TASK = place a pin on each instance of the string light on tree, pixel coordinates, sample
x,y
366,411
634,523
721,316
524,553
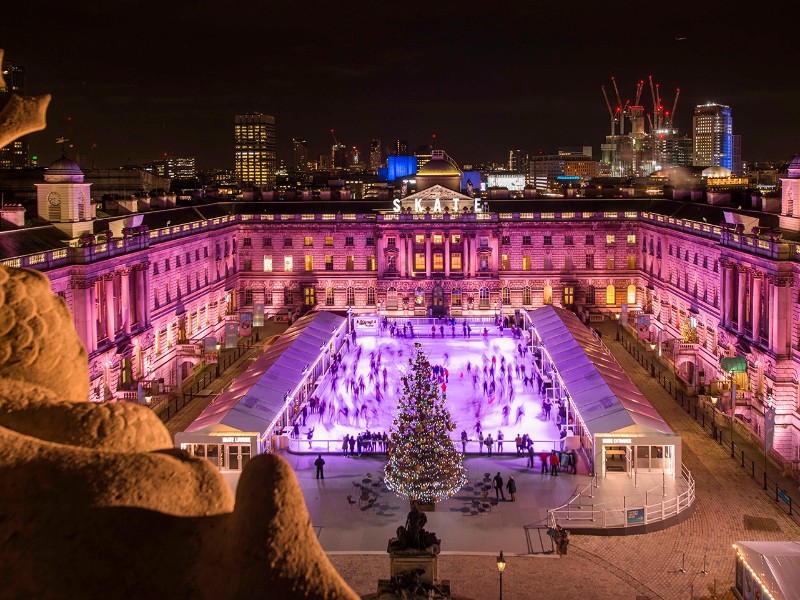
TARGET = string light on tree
x,y
423,464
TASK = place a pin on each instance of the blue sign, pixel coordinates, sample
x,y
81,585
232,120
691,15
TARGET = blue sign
x,y
635,515
783,495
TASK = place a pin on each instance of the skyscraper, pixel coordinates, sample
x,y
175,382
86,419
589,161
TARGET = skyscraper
x,y
15,155
713,136
516,161
254,141
299,154
375,154
400,148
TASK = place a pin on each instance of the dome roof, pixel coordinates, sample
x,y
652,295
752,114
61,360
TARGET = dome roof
x,y
439,167
64,170
716,172
794,167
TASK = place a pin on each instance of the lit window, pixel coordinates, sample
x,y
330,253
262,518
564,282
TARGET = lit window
x,y
455,261
437,238
548,294
506,295
610,239
455,298
419,239
329,299
372,264
569,295
419,261
287,263
631,261
505,262
455,238
329,263
329,240
308,241
526,262
610,262
309,262
438,261
267,264
631,238
611,295
631,294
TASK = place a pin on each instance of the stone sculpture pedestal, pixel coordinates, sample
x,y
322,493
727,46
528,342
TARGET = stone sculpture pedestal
x,y
402,561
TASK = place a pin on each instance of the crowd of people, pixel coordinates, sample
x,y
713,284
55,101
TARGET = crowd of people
x,y
364,442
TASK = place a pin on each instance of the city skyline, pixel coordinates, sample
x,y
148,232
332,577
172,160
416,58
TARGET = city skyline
x,y
483,86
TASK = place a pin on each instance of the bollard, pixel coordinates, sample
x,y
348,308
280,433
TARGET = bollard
x,y
704,571
683,563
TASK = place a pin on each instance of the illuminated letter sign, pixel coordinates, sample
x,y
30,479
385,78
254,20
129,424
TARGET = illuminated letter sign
x,y
418,204
455,204
236,440
477,206
437,206
396,205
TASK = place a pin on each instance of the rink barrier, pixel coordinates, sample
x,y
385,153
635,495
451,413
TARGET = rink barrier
x,y
321,446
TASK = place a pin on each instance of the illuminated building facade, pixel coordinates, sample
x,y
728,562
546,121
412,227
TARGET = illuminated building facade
x,y
712,126
254,150
16,154
375,155
145,297
299,154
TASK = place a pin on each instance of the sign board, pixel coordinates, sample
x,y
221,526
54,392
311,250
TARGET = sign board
x,y
245,323
624,317
210,350
366,322
258,314
237,440
617,440
635,515
231,334
643,327
783,495
769,428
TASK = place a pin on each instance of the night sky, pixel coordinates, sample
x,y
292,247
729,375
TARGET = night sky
x,y
141,79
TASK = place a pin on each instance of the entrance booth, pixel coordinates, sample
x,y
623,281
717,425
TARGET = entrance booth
x,y
251,415
619,430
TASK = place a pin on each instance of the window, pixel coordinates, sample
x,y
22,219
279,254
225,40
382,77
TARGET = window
x,y
548,240
248,297
590,295
309,262
590,240
547,294
438,261
438,238
329,298
705,262
329,240
455,297
177,261
419,261
188,258
372,264
155,268
371,295
287,263
205,251
526,240
267,297
247,242
610,239
631,238
483,298
248,264
391,241
484,242
568,240
670,249
455,261
166,265
309,296
569,295
267,264
329,262
631,294
526,295
308,241
288,296
506,295
348,241
526,262
609,262
287,242
267,242
370,241
455,238
419,238
351,296
631,261
505,240
611,295
505,262
349,264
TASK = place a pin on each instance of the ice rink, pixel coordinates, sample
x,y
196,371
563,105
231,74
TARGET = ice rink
x,y
356,400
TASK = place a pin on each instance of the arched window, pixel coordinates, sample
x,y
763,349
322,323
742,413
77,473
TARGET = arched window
x,y
611,295
506,296
329,297
371,295
526,295
548,294
351,296
631,294
455,299
391,298
483,297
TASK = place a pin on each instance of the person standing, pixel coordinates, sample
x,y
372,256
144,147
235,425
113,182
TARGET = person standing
x,y
554,462
463,441
480,441
518,442
544,456
345,442
498,487
489,443
309,437
320,463
511,486
531,454
499,441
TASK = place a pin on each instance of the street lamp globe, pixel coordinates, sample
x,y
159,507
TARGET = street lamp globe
x,y
501,562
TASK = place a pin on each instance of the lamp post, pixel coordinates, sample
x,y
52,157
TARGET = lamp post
x,y
616,318
769,424
653,361
733,410
501,566
494,304
219,347
714,416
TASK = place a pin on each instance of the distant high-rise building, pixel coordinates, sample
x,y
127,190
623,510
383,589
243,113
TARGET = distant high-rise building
x,y
712,126
299,154
736,150
174,167
516,161
339,156
400,148
254,140
15,155
375,154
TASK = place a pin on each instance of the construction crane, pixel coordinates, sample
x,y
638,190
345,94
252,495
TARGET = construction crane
x,y
619,107
674,106
610,112
639,92
333,135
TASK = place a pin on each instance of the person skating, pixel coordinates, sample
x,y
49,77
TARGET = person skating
x,y
320,463
480,441
498,487
511,486
500,438
464,441
489,443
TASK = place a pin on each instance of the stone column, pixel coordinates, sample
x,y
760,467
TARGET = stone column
x,y
727,295
447,254
125,299
84,312
141,297
409,250
465,254
473,255
147,304
740,298
401,255
108,292
780,314
495,264
756,306
428,255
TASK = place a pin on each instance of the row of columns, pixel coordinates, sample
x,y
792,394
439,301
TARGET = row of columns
x,y
469,256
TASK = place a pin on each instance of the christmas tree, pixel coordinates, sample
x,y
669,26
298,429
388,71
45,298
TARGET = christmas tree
x,y
423,466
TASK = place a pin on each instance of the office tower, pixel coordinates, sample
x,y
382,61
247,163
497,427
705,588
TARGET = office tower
x,y
375,154
516,161
174,167
736,151
299,154
713,132
339,156
254,139
15,155
400,148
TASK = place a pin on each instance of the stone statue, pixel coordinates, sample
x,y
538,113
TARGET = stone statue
x,y
94,499
414,536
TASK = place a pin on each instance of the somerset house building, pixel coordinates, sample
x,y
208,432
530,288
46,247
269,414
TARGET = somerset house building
x,y
698,281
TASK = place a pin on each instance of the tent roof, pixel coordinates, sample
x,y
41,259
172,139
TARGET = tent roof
x,y
777,565
605,397
254,400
